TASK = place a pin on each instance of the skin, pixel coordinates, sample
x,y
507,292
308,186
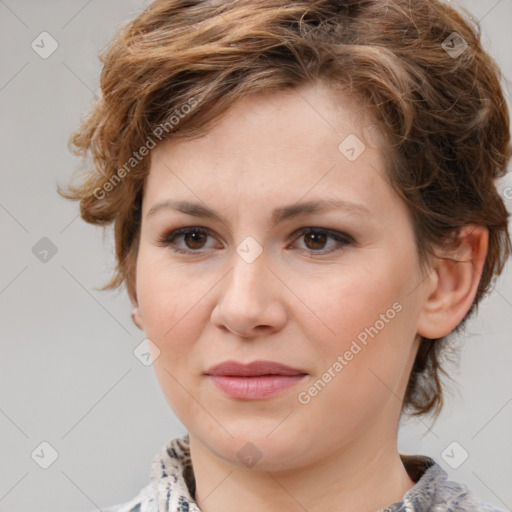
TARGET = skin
x,y
339,450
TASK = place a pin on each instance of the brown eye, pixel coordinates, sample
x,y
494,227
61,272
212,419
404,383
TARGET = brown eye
x,y
194,238
315,239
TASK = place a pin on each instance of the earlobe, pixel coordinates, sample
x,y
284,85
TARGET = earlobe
x,y
137,319
456,279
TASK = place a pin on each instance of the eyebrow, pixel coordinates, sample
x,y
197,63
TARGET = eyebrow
x,y
278,214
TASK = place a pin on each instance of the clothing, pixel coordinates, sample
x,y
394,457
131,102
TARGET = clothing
x,y
172,486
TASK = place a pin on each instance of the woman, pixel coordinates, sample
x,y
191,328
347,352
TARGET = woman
x,y
304,203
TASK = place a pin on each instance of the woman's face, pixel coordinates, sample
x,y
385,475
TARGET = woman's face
x,y
339,303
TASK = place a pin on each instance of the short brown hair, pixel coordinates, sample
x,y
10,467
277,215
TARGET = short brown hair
x,y
418,65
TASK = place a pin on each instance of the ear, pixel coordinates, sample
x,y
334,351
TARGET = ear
x,y
454,283
132,294
137,318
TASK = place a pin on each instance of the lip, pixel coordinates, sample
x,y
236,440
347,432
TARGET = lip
x,y
255,380
253,369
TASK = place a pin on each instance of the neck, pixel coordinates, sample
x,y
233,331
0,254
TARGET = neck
x,y
362,477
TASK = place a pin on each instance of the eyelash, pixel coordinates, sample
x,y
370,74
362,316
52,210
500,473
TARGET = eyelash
x,y
342,238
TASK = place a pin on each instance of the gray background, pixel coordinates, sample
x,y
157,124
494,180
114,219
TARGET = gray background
x,y
68,373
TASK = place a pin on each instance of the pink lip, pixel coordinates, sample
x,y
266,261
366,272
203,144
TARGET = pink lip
x,y
256,368
256,380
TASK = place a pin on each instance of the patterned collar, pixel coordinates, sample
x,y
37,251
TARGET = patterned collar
x,y
172,486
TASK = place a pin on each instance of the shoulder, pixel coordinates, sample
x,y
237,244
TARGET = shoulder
x,y
170,482
435,492
456,497
140,503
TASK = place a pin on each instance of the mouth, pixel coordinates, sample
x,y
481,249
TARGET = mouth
x,y
253,381
254,369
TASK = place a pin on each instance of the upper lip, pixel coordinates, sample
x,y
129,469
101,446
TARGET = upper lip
x,y
255,368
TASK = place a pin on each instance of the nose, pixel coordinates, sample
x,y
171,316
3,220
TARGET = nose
x,y
250,302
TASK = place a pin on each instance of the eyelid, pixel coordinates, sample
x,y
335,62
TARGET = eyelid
x,y
340,237
334,233
166,240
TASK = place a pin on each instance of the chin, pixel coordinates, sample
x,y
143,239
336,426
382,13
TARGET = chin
x,y
259,445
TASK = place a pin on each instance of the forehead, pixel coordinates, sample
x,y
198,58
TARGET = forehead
x,y
274,147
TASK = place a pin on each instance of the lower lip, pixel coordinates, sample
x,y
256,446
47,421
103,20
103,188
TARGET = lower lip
x,y
254,388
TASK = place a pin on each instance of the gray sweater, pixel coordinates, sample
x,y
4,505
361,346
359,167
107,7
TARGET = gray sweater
x,y
172,486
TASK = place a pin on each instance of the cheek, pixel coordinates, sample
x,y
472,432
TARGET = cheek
x,y
170,304
367,321
166,303
165,293
345,305
358,382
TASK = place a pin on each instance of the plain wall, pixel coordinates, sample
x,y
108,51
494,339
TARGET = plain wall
x,y
68,375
